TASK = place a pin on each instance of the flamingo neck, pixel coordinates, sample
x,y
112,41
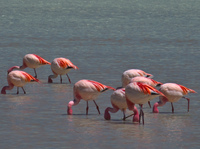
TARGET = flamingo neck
x,y
107,114
70,104
12,68
3,91
109,109
136,114
162,102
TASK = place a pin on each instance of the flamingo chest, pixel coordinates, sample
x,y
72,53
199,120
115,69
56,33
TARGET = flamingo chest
x,y
118,99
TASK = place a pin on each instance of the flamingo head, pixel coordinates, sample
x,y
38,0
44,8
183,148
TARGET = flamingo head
x,y
155,108
163,100
69,108
50,80
107,114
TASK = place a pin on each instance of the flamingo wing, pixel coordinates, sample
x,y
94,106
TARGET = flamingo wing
x,y
100,87
186,90
66,64
42,61
29,77
147,89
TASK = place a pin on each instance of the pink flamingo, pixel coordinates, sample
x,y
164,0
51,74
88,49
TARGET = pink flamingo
x,y
32,61
131,73
19,79
148,81
140,93
118,101
86,90
61,66
173,93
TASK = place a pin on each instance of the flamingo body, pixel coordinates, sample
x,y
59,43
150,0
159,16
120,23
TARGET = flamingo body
x,y
174,92
118,101
86,90
32,61
140,93
131,73
61,66
19,79
148,81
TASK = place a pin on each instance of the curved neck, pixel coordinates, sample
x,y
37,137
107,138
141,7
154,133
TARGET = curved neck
x,y
17,67
70,104
3,91
136,114
162,102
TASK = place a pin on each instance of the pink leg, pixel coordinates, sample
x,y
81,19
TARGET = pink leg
x,y
87,107
172,107
17,90
188,103
149,104
124,118
68,78
60,79
127,116
97,106
35,72
141,114
23,90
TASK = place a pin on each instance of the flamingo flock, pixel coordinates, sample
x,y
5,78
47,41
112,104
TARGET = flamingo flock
x,y
138,88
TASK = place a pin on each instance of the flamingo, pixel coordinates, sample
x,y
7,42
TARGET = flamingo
x,y
86,90
140,93
148,81
173,92
61,66
32,61
118,101
19,79
131,73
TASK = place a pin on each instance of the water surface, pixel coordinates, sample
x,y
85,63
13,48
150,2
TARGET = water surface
x,y
103,38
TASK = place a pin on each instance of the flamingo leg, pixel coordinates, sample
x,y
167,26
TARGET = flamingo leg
x,y
87,107
124,118
23,90
188,103
149,104
17,90
172,107
141,114
142,117
68,78
128,116
97,106
35,72
60,79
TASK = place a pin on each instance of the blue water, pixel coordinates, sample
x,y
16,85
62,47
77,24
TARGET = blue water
x,y
102,38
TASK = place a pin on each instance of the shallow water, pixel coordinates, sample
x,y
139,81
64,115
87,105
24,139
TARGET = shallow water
x,y
103,39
